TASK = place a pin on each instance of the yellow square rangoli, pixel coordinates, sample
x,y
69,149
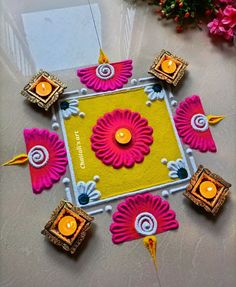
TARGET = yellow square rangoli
x,y
116,182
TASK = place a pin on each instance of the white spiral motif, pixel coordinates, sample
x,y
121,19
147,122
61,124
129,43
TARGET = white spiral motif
x,y
105,71
38,156
199,122
146,224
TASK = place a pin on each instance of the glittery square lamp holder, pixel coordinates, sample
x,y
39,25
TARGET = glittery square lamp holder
x,y
168,67
43,89
207,190
67,226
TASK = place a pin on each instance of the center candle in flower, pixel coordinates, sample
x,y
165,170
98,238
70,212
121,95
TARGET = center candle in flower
x,y
208,189
44,89
123,136
67,225
168,66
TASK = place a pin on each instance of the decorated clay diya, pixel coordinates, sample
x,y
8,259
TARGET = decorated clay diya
x,y
207,190
43,89
67,226
168,67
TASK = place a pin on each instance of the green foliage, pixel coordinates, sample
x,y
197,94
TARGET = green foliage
x,y
185,12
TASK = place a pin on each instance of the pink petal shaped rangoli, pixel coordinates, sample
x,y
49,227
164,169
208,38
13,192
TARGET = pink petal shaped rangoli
x,y
112,152
192,125
141,215
47,158
106,76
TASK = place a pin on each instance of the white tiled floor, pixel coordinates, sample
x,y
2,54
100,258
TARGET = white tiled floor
x,y
59,35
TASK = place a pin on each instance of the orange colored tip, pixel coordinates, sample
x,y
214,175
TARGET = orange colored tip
x,y
17,160
213,120
150,243
102,58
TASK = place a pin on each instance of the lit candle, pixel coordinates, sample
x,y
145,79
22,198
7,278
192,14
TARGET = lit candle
x,y
208,189
168,66
123,136
67,225
44,89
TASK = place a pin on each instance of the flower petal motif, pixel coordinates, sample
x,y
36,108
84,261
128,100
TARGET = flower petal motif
x,y
192,125
109,151
69,107
107,76
155,92
141,215
47,158
86,192
177,169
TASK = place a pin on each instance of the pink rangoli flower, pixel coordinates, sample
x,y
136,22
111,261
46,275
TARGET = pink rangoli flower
x,y
106,76
112,152
229,16
47,158
141,215
192,125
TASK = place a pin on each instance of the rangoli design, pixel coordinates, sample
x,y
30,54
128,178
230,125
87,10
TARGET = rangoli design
x,y
87,192
47,158
106,76
155,92
69,108
46,155
177,169
193,125
121,138
124,141
142,216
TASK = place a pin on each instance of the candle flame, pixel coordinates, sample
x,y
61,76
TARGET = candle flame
x,y
170,63
43,86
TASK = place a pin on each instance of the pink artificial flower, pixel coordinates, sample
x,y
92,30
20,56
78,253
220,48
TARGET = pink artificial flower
x,y
141,215
226,1
111,152
229,16
220,15
47,158
216,27
229,34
